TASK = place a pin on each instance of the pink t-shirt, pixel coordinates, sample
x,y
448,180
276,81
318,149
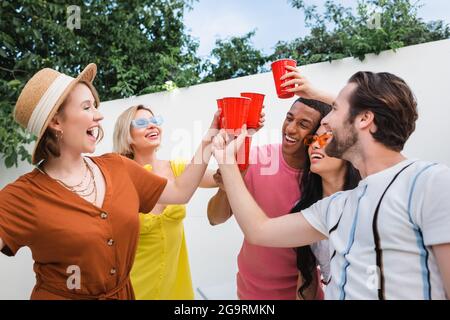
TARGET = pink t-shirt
x,y
269,273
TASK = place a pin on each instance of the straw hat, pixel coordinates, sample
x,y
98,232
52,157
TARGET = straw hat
x,y
42,96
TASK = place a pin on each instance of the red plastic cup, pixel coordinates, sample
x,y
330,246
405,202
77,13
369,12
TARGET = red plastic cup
x,y
220,106
235,112
243,159
279,70
254,112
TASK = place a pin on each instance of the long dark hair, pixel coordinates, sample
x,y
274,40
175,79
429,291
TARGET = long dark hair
x,y
311,192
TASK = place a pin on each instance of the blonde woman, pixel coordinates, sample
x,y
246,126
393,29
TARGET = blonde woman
x,y
161,267
78,214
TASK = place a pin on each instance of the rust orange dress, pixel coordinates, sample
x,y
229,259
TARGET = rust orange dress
x,y
80,251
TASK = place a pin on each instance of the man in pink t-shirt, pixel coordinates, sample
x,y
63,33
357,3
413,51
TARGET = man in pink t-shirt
x,y
272,178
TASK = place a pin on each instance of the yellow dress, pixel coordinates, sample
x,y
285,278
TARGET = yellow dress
x,y
161,268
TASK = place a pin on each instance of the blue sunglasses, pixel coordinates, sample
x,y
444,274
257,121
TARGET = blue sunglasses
x,y
145,122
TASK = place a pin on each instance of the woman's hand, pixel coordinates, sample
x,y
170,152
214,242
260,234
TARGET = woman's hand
x,y
215,122
225,147
213,128
304,88
261,121
302,85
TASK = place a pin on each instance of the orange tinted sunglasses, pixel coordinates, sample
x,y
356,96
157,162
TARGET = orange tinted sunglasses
x,y
322,139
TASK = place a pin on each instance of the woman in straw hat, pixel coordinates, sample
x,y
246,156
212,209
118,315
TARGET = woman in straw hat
x,y
78,214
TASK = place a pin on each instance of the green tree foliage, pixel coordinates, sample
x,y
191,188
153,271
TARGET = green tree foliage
x,y
374,26
138,45
234,57
141,46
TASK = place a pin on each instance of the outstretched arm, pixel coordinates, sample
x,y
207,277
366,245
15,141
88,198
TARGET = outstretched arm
x,y
208,180
219,210
183,187
288,231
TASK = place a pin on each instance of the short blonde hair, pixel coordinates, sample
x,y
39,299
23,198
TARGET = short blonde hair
x,y
122,135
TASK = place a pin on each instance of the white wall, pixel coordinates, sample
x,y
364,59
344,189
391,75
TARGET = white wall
x,y
188,112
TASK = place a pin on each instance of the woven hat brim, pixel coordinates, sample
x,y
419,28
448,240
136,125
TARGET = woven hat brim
x,y
87,76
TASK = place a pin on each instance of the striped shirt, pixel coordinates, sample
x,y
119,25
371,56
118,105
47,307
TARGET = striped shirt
x,y
381,233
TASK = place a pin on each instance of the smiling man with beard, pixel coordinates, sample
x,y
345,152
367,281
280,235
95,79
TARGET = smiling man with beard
x,y
389,237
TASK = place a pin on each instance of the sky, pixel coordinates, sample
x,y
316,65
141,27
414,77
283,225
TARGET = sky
x,y
273,20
